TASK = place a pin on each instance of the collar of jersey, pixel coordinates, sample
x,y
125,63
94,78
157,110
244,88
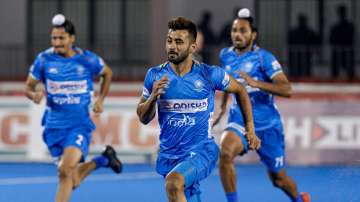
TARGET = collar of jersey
x,y
78,52
253,49
168,66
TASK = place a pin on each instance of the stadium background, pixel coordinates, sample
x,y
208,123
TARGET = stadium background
x,y
321,120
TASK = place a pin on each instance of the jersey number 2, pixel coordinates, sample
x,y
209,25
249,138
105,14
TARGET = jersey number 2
x,y
79,139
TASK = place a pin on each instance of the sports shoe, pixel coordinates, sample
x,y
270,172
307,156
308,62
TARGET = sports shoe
x,y
114,163
305,197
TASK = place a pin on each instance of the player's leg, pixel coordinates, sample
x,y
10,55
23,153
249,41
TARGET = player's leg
x,y
175,184
272,154
174,181
231,145
284,182
66,160
77,140
189,172
66,169
108,158
82,171
288,185
80,137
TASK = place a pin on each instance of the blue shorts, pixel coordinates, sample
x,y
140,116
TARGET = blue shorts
x,y
195,166
57,139
272,150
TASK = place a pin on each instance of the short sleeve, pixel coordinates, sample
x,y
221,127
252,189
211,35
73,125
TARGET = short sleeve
x,y
97,63
36,69
148,83
220,78
221,57
271,65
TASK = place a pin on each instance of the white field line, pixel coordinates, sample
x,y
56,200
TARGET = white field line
x,y
92,178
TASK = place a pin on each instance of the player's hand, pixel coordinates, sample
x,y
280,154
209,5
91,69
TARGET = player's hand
x,y
250,81
37,97
253,141
159,87
98,107
218,118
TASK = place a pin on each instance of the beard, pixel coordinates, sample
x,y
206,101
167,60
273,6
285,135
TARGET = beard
x,y
177,58
242,46
61,53
60,50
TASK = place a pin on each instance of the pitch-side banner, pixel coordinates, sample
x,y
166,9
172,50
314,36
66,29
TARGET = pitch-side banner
x,y
317,131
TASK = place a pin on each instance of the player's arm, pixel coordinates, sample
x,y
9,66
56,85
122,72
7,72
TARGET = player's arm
x,y
105,81
30,90
244,103
224,95
223,104
146,108
279,86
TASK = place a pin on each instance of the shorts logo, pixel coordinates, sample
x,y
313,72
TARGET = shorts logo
x,y
183,106
180,122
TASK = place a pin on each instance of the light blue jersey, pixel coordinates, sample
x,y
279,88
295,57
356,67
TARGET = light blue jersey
x,y
186,107
260,65
184,113
68,85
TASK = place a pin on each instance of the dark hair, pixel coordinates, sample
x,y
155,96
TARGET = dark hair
x,y
251,22
68,26
182,23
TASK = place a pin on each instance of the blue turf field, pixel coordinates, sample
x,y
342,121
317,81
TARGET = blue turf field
x,y
26,182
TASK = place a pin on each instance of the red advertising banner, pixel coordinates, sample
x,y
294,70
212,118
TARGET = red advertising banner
x,y
317,130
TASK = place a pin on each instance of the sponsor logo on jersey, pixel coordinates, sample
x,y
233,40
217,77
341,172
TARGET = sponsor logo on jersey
x,y
180,122
66,100
66,87
183,106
